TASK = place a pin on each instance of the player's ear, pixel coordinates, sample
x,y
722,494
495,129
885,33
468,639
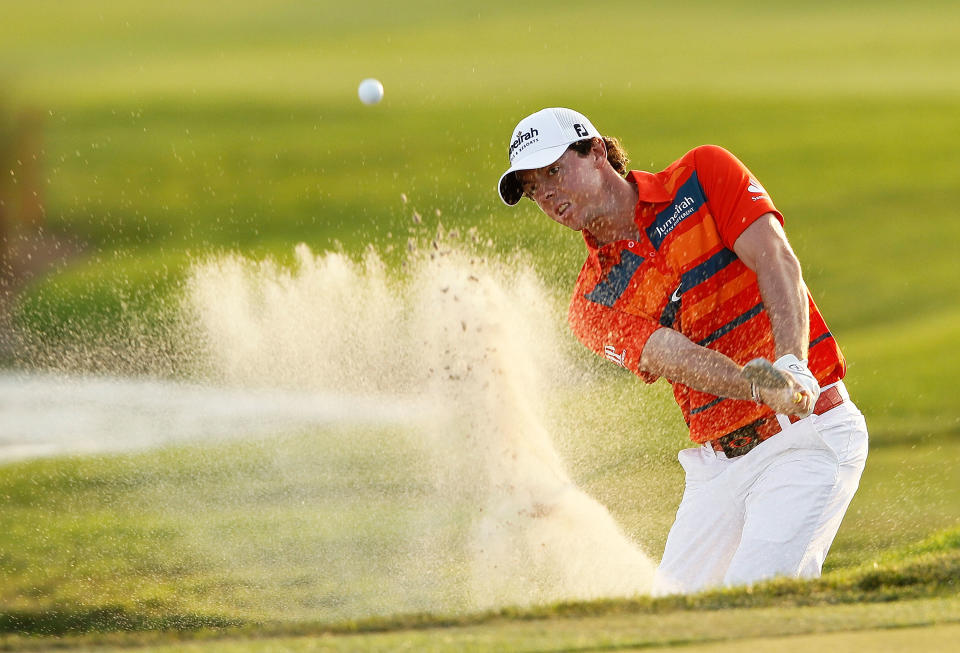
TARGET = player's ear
x,y
599,151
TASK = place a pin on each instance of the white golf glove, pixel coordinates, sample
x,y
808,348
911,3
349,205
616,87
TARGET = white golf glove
x,y
801,373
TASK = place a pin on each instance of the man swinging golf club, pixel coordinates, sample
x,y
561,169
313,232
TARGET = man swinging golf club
x,y
689,276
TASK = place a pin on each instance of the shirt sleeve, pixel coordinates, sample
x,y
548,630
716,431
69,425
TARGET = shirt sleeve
x,y
613,334
735,197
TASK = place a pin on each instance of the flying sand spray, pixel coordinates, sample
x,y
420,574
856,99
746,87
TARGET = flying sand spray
x,y
476,341
355,439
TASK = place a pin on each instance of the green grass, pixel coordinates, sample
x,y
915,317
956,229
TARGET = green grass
x,y
313,529
172,131
926,623
289,527
113,544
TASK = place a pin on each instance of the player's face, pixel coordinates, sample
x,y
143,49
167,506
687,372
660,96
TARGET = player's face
x,y
565,190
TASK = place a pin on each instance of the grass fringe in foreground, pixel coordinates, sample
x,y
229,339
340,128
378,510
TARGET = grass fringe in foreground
x,y
111,618
927,569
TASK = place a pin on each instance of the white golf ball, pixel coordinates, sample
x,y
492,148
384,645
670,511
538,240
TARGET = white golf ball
x,y
370,91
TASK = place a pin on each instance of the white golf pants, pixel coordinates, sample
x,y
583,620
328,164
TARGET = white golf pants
x,y
772,512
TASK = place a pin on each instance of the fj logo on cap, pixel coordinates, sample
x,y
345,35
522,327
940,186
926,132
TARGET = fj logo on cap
x,y
521,139
581,130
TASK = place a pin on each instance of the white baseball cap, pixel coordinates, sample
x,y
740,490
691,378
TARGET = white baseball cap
x,y
537,141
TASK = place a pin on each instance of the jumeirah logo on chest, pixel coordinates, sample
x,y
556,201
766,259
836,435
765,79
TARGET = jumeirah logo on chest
x,y
681,210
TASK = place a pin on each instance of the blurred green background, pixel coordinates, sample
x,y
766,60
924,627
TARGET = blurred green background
x,y
169,131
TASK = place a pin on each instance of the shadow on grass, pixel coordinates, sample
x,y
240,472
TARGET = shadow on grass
x,y
67,621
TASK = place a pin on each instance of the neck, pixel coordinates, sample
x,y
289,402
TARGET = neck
x,y
614,220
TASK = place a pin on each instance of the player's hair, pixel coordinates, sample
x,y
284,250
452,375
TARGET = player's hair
x,y
616,155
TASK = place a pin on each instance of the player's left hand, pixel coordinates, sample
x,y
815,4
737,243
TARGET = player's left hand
x,y
798,369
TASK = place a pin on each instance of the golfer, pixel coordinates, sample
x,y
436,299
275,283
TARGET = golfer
x,y
689,276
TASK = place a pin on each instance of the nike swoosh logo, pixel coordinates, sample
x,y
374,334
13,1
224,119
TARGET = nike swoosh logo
x,y
755,187
675,297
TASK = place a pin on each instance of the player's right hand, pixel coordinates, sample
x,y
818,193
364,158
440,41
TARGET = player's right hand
x,y
779,389
793,399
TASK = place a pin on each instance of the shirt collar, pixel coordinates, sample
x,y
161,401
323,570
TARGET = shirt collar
x,y
650,190
649,187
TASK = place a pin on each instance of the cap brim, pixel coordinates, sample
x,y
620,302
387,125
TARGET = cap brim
x,y
509,187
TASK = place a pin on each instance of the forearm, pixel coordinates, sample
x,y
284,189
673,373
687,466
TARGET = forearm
x,y
763,247
670,354
785,299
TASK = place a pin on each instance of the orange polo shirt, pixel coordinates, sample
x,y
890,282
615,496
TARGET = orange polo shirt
x,y
683,274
